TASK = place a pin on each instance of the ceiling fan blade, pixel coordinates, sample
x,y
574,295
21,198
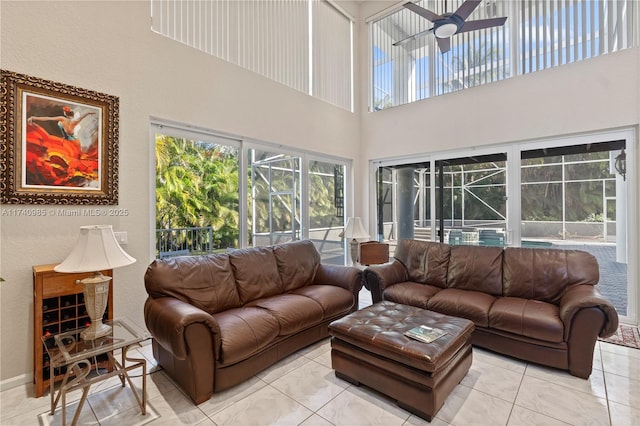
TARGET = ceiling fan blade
x,y
481,24
467,8
444,44
413,37
427,14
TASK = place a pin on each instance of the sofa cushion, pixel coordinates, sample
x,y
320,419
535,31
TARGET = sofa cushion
x,y
243,332
426,262
549,272
476,268
410,293
525,317
334,300
472,305
206,282
256,273
298,262
292,311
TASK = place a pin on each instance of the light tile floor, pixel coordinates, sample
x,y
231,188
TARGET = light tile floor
x,y
303,390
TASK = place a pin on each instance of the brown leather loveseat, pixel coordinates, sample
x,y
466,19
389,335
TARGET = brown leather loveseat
x,y
539,305
217,320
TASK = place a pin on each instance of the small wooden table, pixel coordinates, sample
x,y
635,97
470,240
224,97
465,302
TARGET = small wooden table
x,y
73,356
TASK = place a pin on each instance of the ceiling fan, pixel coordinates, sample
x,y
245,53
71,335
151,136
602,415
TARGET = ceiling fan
x,y
449,24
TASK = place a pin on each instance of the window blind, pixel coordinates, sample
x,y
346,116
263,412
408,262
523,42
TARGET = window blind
x,y
304,44
332,55
538,34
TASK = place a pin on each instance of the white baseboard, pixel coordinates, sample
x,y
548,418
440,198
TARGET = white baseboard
x,y
16,381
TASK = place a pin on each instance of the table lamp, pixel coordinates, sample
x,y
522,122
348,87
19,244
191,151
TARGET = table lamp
x,y
354,231
96,249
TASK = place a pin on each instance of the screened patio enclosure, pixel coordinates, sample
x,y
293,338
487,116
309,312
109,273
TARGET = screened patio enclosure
x,y
276,208
569,197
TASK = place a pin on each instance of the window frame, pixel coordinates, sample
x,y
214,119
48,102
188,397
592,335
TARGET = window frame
x,y
244,144
513,151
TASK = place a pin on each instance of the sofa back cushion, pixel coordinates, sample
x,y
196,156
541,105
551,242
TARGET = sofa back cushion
x,y
546,274
256,273
476,268
297,262
206,282
426,262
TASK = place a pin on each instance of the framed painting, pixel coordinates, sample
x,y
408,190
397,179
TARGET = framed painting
x,y
59,143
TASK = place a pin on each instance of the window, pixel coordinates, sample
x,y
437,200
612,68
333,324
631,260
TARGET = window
x,y
215,192
304,44
562,194
538,34
197,193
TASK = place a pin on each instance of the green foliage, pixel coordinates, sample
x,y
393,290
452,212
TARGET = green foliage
x,y
197,185
542,190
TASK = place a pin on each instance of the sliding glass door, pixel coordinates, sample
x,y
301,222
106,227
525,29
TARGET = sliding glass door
x,y
573,198
275,197
279,182
569,193
214,193
327,192
471,201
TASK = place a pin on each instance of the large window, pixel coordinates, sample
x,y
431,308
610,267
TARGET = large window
x,y
304,44
570,193
208,199
538,34
197,193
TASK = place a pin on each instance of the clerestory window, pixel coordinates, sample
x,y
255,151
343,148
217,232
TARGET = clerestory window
x,y
538,34
303,44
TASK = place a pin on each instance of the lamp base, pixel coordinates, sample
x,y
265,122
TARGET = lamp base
x,y
355,245
95,330
96,294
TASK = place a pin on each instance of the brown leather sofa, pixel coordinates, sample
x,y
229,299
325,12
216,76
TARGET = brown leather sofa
x,y
539,305
217,320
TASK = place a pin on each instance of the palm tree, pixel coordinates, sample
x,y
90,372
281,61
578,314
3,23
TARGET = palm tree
x,y
197,186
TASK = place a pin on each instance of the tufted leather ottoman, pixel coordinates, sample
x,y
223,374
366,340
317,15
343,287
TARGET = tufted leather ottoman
x,y
369,347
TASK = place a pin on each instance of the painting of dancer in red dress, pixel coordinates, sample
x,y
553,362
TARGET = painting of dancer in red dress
x,y
61,143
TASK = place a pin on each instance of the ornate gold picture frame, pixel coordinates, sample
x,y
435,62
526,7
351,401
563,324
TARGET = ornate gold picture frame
x,y
58,143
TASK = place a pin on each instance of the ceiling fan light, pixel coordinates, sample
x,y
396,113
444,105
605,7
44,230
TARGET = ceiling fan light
x,y
446,30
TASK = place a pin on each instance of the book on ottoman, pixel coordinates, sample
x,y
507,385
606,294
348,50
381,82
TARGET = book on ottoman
x,y
425,334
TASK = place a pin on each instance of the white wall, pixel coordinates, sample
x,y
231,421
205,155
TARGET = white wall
x,y
107,46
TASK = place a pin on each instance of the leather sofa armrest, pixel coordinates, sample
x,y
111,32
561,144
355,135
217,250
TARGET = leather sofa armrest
x,y
347,277
167,319
379,277
587,296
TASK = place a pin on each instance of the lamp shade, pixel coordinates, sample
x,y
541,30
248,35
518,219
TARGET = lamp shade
x,y
96,249
354,229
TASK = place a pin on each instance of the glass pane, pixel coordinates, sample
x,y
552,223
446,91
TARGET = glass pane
x,y
197,196
577,211
541,202
474,201
588,170
274,204
584,202
541,172
384,187
326,210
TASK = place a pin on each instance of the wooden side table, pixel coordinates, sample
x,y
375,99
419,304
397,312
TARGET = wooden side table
x,y
72,356
58,306
374,253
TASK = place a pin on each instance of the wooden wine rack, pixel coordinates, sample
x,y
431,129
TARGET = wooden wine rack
x,y
58,305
